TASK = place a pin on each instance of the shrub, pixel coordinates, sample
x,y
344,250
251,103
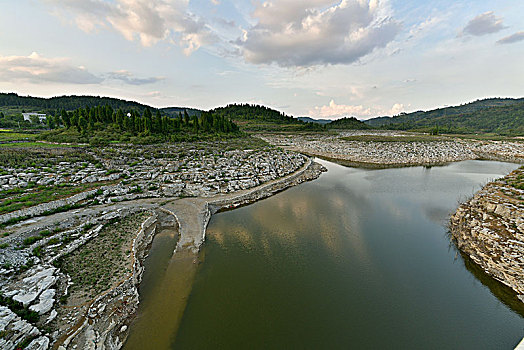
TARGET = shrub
x,y
31,240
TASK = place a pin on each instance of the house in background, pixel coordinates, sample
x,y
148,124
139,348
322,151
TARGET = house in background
x,y
41,117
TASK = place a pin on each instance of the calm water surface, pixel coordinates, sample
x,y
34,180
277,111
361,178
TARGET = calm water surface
x,y
356,259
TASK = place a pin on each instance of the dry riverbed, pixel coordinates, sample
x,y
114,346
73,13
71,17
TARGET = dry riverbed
x,y
71,256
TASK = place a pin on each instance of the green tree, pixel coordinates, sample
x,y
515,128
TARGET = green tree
x,y
186,117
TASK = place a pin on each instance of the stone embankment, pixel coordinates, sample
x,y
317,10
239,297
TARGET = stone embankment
x,y
193,214
489,228
399,149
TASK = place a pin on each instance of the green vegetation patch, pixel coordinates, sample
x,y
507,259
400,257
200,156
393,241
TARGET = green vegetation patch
x,y
30,144
39,157
19,198
350,123
261,118
19,309
496,116
105,259
517,181
6,136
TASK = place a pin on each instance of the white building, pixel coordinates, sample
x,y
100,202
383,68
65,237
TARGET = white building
x,y
41,117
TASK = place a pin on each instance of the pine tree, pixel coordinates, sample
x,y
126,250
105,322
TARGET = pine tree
x,y
157,125
186,117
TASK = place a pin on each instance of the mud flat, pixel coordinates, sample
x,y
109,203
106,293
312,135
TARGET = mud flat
x,y
489,229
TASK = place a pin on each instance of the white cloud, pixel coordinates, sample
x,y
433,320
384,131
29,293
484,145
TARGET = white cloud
x,y
513,38
37,69
396,109
336,111
129,78
483,24
145,21
422,28
333,111
317,32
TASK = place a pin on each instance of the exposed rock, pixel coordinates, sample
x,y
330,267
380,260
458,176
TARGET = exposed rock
x,y
46,301
39,279
15,330
397,153
489,229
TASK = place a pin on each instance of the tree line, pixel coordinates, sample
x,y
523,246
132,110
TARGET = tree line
x,y
66,102
89,119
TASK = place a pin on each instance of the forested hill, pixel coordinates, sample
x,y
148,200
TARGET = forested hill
x,y
501,116
261,118
102,124
348,123
174,111
13,103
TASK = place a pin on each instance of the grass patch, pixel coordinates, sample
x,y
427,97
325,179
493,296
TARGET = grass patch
x,y
30,145
104,260
40,157
37,251
25,343
30,240
7,135
19,198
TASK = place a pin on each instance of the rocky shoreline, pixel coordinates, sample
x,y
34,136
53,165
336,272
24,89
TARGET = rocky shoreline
x,y
36,239
368,148
489,229
181,190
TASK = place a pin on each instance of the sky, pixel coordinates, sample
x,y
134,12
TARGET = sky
x,y
319,58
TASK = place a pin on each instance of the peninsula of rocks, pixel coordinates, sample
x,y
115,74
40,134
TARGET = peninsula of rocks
x,y
489,229
377,148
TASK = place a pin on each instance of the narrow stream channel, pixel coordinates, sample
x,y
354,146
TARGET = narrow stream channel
x,y
356,259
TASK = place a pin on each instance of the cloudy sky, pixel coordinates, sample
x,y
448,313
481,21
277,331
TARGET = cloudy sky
x,y
319,58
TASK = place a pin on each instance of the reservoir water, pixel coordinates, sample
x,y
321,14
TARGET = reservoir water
x,y
358,259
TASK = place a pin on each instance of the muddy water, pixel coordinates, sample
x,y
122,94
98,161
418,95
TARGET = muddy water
x,y
164,291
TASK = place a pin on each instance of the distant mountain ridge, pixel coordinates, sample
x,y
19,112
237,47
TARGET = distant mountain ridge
x,y
504,116
15,102
351,123
492,115
311,120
